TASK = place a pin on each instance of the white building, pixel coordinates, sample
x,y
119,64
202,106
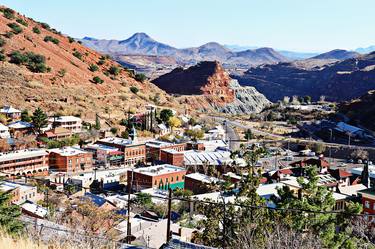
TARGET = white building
x,y
71,123
4,131
10,112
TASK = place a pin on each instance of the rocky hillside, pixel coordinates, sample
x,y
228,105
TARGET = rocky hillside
x,y
337,54
338,81
207,86
140,44
361,111
41,67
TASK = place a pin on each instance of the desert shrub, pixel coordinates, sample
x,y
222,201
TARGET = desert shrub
x,y
134,89
71,40
22,22
101,62
62,72
8,13
97,80
93,68
77,55
51,39
9,34
34,62
114,70
36,30
140,77
2,56
16,57
16,29
45,25
2,42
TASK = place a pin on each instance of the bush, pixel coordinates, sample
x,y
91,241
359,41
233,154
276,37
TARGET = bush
x,y
140,77
16,29
51,39
134,89
2,56
34,62
45,25
2,42
16,57
21,21
9,34
93,68
8,13
36,30
114,70
97,80
71,40
77,55
114,130
101,62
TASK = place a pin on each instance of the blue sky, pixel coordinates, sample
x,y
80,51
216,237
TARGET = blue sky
x,y
300,25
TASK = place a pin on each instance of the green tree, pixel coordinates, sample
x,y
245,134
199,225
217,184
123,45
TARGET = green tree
x,y
134,89
143,199
25,117
9,215
97,80
39,120
165,115
36,30
16,29
307,99
140,77
248,134
97,122
114,70
195,134
93,68
114,130
125,134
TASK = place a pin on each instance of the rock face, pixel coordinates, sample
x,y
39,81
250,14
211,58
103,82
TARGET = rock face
x,y
338,81
207,86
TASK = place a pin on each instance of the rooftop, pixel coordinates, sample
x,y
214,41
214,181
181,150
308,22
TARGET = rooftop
x,y
192,157
202,178
159,170
3,127
9,109
68,151
35,209
117,141
158,144
19,125
102,147
63,119
8,186
352,190
21,154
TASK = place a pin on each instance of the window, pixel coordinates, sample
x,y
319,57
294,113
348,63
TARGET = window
x,y
156,182
176,178
166,179
374,206
172,179
367,204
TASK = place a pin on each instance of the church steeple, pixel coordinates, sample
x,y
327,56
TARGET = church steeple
x,y
133,135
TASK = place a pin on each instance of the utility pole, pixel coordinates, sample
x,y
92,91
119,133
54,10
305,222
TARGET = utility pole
x,y
169,215
128,228
224,225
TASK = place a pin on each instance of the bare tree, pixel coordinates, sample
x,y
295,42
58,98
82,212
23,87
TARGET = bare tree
x,y
359,154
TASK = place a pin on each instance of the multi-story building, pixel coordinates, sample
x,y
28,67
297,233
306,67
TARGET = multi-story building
x,y
57,133
71,123
368,200
24,162
160,176
154,149
70,160
134,153
105,155
20,192
4,131
199,183
173,157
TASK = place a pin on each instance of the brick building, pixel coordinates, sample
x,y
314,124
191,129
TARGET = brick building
x,y
154,149
70,159
173,157
20,192
24,162
160,176
368,200
134,153
199,183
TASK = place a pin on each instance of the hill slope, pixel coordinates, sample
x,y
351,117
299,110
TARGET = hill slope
x,y
337,54
41,67
206,86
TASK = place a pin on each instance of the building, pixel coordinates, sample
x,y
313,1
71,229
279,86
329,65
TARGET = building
x,y
20,126
4,131
342,176
105,155
134,153
57,133
71,123
198,159
349,129
199,183
160,176
173,157
34,210
154,149
24,162
20,192
368,200
70,159
10,112
163,130
217,133
321,163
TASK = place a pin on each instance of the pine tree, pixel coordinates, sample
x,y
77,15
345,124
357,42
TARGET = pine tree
x,y
39,120
9,215
25,116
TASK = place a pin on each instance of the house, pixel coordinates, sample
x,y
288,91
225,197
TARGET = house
x,y
342,176
10,112
320,163
71,123
154,149
20,126
199,183
99,201
34,210
159,176
134,152
24,162
57,133
352,190
4,131
163,130
70,159
280,174
368,200
20,192
217,133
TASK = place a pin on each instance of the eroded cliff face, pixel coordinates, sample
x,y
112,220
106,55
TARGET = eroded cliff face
x,y
208,87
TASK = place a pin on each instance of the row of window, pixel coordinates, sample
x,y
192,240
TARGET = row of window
x,y
21,160
167,180
135,152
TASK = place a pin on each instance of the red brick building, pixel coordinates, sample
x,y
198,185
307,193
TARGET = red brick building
x,y
134,153
24,162
173,157
199,183
160,176
154,149
71,160
368,200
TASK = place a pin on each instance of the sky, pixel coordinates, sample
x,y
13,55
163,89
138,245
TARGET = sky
x,y
297,25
